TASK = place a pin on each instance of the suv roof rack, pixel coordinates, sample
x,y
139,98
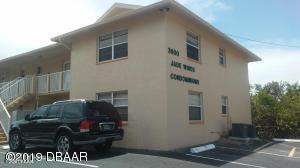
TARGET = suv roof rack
x,y
65,101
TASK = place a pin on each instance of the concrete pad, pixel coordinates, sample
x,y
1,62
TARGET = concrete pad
x,y
202,148
5,147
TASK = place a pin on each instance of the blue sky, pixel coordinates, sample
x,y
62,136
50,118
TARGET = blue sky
x,y
265,20
31,24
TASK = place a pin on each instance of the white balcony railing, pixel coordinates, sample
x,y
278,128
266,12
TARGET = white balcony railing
x,y
20,87
3,83
42,84
54,82
66,80
4,118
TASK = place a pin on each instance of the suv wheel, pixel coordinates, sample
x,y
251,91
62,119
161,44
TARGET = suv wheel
x,y
64,143
15,142
104,147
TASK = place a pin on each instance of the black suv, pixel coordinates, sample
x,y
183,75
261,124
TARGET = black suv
x,y
68,124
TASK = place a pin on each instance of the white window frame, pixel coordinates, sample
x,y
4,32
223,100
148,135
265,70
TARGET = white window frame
x,y
106,100
226,105
112,98
200,106
112,45
198,47
223,56
64,65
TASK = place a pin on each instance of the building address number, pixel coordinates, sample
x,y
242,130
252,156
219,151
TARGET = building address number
x,y
173,51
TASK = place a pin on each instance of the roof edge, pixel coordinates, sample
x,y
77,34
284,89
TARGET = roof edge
x,y
30,52
218,32
116,5
96,24
251,56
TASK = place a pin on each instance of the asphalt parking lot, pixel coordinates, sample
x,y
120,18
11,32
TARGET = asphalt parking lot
x,y
233,155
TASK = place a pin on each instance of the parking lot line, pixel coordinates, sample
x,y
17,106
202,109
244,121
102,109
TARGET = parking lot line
x,y
81,164
292,152
263,146
227,161
260,152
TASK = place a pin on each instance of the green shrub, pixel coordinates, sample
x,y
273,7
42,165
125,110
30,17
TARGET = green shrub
x,y
275,110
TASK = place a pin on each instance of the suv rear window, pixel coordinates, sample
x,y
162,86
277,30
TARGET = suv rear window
x,y
99,109
72,111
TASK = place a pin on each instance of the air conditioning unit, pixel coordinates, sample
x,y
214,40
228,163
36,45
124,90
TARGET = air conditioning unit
x,y
240,130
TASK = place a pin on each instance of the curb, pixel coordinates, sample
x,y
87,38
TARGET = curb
x,y
286,140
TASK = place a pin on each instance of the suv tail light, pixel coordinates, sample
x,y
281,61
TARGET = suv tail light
x,y
119,124
85,125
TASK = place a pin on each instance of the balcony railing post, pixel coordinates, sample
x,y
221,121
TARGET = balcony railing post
x,y
48,83
60,81
33,85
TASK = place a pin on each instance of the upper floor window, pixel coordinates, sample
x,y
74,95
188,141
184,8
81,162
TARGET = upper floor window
x,y
224,100
195,106
119,99
113,45
222,56
192,46
67,66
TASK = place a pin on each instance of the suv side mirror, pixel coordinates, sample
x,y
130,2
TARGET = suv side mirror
x,y
27,117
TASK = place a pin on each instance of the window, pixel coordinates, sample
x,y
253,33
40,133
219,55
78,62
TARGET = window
x,y
195,106
224,104
222,57
67,66
119,99
54,111
40,113
39,70
113,45
22,73
192,46
72,111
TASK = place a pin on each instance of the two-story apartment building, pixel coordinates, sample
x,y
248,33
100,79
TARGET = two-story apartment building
x,y
176,80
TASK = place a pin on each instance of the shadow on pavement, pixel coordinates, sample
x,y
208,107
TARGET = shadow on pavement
x,y
218,153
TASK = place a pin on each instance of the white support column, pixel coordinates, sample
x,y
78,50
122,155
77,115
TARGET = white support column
x,y
48,84
60,81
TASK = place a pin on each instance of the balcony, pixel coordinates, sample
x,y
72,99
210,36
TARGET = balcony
x,y
3,84
53,83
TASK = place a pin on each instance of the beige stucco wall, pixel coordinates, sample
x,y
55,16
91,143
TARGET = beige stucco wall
x,y
215,81
158,106
142,74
